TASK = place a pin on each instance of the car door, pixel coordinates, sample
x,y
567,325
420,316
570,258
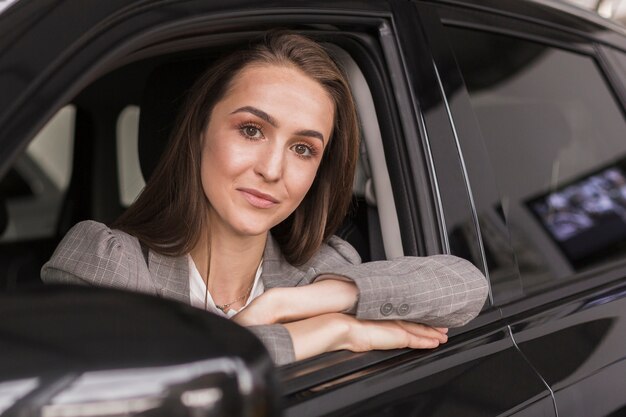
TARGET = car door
x,y
547,117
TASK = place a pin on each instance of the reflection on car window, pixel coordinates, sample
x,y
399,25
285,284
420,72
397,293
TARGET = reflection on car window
x,y
33,189
555,136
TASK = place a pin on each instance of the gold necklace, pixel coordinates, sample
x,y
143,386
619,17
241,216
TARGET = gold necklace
x,y
223,307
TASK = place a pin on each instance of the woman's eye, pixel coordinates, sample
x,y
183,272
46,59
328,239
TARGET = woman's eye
x,y
303,150
251,132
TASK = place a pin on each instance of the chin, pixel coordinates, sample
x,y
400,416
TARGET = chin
x,y
255,223
251,228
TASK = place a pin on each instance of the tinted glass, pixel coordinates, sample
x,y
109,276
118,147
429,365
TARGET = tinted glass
x,y
556,139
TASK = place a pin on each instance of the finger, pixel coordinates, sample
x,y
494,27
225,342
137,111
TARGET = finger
x,y
421,342
371,334
419,336
423,330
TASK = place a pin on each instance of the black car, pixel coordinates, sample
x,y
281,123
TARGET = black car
x,y
494,130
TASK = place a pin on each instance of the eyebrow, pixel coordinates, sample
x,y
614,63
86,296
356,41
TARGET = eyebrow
x,y
311,134
258,113
269,119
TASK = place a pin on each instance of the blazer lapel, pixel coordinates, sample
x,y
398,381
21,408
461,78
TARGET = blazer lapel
x,y
277,272
170,276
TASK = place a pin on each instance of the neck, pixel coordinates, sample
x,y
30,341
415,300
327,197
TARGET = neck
x,y
234,262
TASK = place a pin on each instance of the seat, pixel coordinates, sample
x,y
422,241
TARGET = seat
x,y
163,96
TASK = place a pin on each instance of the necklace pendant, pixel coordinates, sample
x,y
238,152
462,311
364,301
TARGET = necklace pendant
x,y
223,307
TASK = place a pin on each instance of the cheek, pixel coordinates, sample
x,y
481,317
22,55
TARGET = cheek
x,y
300,179
223,158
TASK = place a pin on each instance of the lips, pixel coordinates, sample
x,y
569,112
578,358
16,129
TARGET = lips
x,y
257,198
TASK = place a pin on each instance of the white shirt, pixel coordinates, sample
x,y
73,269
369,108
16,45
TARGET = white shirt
x,y
198,292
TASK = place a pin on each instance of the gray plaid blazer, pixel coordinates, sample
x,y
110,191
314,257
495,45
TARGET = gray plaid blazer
x,y
440,290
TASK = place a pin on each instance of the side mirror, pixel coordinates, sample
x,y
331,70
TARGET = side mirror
x,y
77,351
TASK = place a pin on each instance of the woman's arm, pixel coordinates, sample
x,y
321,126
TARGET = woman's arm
x,y
336,331
311,325
329,332
440,291
284,305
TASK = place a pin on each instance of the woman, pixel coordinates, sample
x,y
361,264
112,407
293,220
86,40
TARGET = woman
x,y
268,140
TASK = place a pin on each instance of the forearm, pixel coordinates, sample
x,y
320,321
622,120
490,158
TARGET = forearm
x,y
322,297
286,305
440,290
319,334
337,331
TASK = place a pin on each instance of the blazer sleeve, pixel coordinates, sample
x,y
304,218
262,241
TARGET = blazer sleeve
x,y
92,254
439,290
277,341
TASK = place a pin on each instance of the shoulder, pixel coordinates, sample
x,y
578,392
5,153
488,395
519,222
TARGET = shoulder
x,y
98,238
93,253
334,252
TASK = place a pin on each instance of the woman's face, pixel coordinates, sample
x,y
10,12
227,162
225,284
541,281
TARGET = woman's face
x,y
262,147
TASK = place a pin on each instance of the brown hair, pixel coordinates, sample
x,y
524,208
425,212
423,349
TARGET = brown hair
x,y
170,213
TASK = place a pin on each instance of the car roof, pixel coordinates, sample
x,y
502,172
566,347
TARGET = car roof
x,y
555,12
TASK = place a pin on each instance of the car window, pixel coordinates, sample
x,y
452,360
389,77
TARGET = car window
x,y
554,134
130,178
34,187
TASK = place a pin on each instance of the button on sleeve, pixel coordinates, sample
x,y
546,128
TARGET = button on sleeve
x,y
386,309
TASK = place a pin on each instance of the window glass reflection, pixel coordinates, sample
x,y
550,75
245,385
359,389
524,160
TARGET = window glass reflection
x,y
555,137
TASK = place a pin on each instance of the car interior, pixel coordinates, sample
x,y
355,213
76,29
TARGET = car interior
x,y
115,131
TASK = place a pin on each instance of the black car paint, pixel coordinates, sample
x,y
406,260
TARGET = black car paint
x,y
504,361
68,337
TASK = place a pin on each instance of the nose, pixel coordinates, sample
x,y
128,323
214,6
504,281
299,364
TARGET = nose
x,y
269,164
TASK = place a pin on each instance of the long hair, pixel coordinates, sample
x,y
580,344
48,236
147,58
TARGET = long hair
x,y
170,213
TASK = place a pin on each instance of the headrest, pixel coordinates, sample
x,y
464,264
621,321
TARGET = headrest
x,y
164,93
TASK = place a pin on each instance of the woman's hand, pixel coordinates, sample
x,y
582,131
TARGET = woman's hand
x,y
369,335
336,331
283,305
